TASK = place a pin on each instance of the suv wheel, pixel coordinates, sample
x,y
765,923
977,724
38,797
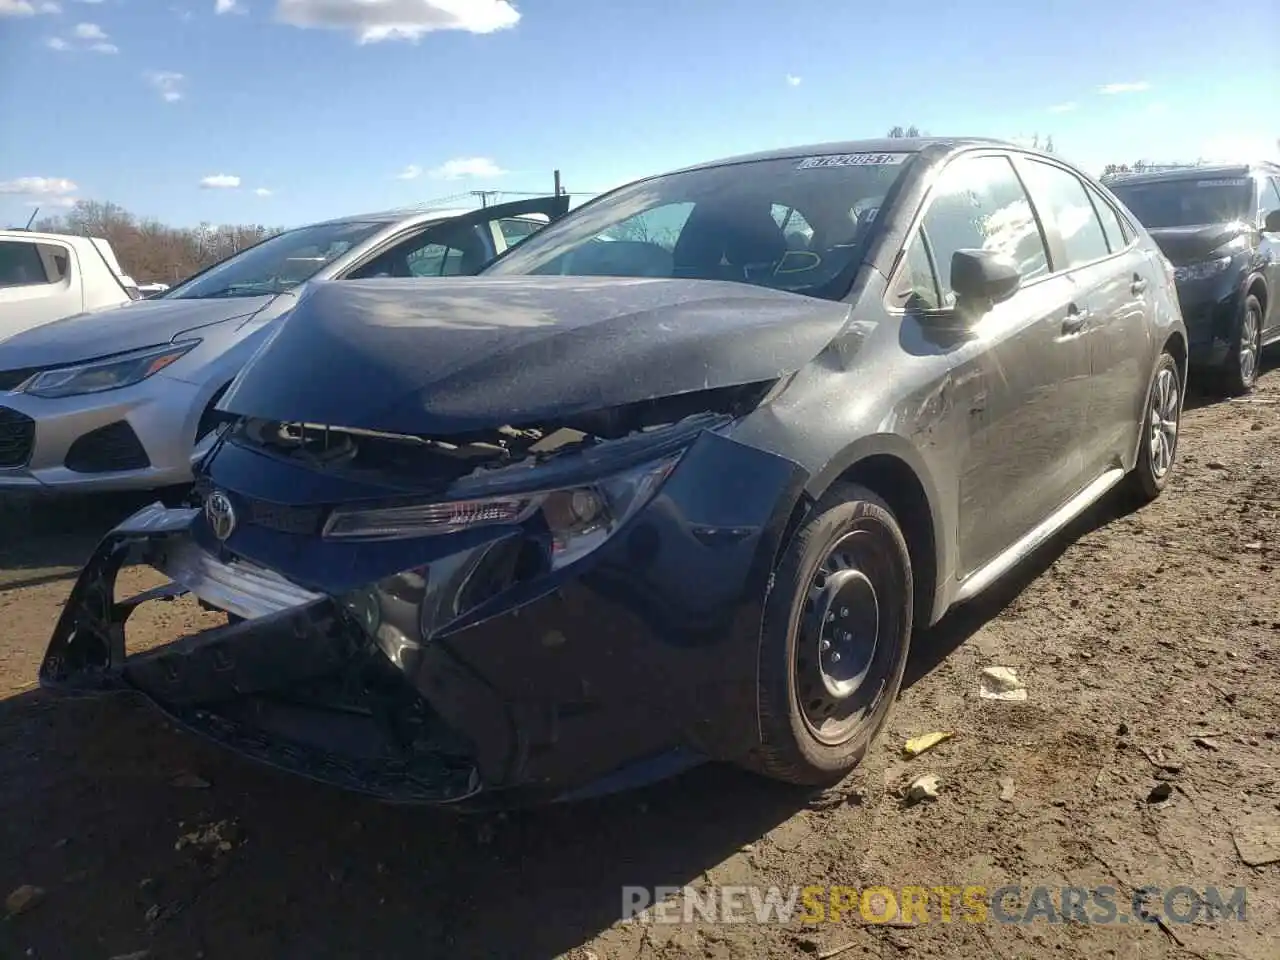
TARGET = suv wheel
x,y
837,627
1241,370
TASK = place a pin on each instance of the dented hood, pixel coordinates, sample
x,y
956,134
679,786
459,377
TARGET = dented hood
x,y
450,356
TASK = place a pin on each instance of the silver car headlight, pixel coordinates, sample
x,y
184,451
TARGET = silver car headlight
x,y
109,373
1203,270
578,519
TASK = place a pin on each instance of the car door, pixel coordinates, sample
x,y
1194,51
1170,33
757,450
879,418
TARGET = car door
x,y
1269,254
39,282
1113,282
458,246
1017,371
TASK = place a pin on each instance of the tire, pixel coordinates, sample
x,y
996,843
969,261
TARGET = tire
x,y
800,743
1240,372
1158,451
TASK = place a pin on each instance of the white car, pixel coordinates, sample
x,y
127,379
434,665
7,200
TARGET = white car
x,y
48,276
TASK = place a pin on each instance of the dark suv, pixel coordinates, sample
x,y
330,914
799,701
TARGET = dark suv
x,y
1220,226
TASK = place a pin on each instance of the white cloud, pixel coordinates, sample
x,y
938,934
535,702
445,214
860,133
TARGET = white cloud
x,y
793,80
105,48
57,43
89,31
462,167
376,20
167,83
25,8
39,186
227,6
1113,88
1064,107
411,172
88,1
262,192
220,181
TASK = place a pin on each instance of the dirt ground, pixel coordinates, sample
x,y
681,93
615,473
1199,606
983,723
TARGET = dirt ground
x,y
1149,644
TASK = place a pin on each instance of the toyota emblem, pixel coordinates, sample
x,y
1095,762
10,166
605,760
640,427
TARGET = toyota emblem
x,y
220,514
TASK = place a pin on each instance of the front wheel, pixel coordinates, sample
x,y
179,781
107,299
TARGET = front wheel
x,y
1162,416
837,629
1241,370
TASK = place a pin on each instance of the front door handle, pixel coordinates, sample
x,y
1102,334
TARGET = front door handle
x,y
1139,286
1076,320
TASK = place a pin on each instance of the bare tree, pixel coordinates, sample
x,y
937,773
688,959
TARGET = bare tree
x,y
148,250
898,133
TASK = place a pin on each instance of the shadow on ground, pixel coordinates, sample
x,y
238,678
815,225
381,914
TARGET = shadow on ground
x,y
45,539
92,816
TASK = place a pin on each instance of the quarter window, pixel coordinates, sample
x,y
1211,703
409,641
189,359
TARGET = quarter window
x,y
514,230
979,204
1062,196
917,287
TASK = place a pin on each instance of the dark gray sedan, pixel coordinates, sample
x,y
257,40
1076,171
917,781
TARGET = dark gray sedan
x,y
674,479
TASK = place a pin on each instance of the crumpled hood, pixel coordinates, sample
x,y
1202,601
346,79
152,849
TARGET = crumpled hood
x,y
143,323
1183,245
449,356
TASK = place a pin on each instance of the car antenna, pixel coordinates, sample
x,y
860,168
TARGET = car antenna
x,y
33,218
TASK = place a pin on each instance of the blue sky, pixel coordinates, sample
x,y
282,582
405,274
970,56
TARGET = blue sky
x,y
284,111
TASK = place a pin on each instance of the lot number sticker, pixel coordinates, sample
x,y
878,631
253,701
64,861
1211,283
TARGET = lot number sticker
x,y
852,160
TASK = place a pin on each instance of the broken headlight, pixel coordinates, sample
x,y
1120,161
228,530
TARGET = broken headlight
x,y
576,519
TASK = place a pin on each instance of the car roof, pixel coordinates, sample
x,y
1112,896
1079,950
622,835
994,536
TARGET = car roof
x,y
941,145
403,215
1209,170
36,236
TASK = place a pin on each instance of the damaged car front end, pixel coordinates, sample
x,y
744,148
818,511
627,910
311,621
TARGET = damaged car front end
x,y
469,614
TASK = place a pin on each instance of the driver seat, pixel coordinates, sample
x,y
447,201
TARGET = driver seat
x,y
722,243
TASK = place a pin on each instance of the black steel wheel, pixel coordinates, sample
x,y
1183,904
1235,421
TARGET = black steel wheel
x,y
836,634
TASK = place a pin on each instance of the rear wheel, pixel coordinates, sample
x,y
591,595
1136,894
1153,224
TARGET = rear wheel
x,y
1241,370
1162,417
837,629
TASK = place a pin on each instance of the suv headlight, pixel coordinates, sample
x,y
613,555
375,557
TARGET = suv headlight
x,y
577,519
1203,270
109,373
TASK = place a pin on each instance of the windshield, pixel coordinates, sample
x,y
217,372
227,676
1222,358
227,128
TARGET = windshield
x,y
278,264
796,224
1187,203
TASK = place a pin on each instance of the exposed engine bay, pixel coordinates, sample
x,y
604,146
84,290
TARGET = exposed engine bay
x,y
398,457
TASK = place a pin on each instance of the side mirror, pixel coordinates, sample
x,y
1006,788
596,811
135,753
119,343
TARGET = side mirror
x,y
1272,223
981,279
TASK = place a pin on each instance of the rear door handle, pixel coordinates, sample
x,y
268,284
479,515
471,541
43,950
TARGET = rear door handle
x,y
1076,320
1139,286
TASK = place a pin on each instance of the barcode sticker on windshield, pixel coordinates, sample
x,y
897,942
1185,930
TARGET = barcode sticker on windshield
x,y
1236,182
853,160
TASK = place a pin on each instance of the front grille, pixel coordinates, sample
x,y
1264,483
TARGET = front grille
x,y
17,437
108,449
12,379
303,521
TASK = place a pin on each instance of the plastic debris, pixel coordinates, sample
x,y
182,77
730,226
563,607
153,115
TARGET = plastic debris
x,y
1000,683
926,741
923,788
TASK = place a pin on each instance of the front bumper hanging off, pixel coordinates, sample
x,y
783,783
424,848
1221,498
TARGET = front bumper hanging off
x,y
290,680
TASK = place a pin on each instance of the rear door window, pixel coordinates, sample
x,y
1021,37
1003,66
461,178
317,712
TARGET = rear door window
x,y
1062,196
21,264
979,204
